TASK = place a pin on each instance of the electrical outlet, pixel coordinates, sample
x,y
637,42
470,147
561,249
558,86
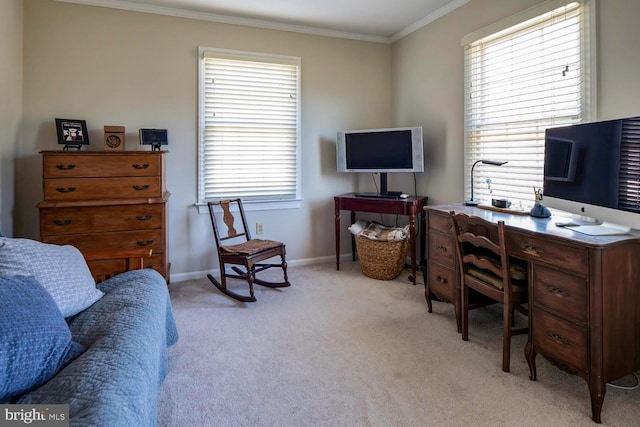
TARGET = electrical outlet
x,y
259,228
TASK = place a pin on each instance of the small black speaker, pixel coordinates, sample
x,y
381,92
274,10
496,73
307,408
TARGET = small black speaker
x,y
500,203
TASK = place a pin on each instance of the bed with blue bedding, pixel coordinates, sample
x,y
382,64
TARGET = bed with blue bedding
x,y
125,335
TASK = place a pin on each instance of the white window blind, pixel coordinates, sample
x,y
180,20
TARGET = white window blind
x,y
629,175
249,126
519,81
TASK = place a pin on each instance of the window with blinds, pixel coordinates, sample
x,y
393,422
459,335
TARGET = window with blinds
x,y
629,175
249,126
522,77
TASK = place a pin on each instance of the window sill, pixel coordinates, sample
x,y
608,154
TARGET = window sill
x,y
265,205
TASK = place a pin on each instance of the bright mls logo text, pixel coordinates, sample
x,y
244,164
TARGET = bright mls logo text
x,y
37,414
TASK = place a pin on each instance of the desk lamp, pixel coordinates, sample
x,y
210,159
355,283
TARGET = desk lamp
x,y
472,202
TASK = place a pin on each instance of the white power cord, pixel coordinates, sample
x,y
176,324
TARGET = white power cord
x,y
623,387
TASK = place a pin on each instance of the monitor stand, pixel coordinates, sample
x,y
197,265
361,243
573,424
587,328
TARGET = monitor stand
x,y
604,229
383,194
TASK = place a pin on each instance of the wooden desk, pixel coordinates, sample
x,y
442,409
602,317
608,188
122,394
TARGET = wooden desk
x,y
584,293
410,207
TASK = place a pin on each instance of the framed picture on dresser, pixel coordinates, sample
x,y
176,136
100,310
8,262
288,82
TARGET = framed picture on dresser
x,y
72,132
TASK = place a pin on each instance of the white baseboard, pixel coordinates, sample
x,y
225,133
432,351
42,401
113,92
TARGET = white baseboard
x,y
194,275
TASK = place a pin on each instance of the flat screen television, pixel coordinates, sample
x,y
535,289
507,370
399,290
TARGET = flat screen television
x,y
381,151
593,170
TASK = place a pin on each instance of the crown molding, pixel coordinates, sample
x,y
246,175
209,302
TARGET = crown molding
x,y
204,16
161,10
450,7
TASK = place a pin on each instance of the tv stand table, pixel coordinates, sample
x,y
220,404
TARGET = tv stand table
x,y
410,207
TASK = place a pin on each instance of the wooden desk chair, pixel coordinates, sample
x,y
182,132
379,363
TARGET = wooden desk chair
x,y
249,253
486,269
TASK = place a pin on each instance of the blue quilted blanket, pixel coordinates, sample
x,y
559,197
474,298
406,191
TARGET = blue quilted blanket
x,y
115,382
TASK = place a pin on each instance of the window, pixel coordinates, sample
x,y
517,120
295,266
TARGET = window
x,y
249,126
629,175
523,75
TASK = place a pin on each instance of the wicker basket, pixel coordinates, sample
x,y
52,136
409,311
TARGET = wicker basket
x,y
379,259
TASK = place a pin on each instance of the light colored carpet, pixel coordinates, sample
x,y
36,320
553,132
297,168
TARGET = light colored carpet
x,y
339,349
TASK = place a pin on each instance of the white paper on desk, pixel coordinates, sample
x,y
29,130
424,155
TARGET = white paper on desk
x,y
604,229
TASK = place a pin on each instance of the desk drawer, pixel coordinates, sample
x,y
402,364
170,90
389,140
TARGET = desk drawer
x,y
79,220
442,280
440,222
561,293
99,165
442,248
72,189
559,339
567,257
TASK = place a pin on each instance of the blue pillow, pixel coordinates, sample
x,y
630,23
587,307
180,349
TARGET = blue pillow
x,y
36,340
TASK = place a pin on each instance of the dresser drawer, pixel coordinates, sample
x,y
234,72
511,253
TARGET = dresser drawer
x,y
110,267
560,339
441,280
100,165
156,262
78,220
567,257
70,189
153,239
442,248
561,293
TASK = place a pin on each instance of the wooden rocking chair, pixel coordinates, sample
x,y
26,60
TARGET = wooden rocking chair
x,y
248,254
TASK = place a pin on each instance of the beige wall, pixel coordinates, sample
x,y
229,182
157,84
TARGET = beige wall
x,y
139,70
10,105
116,67
428,74
618,59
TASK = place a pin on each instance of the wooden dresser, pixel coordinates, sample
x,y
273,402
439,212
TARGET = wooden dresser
x,y
100,201
584,293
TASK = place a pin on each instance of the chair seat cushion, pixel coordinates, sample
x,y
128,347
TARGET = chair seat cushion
x,y
496,281
250,247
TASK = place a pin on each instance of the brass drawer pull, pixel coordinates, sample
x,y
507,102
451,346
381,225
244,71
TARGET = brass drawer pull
x,y
65,168
66,190
147,243
144,218
441,280
140,187
441,248
557,338
62,222
531,250
137,166
557,291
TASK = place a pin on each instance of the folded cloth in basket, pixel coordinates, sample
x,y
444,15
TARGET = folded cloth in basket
x,y
358,226
380,232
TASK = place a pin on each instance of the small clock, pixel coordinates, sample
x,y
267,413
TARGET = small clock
x,y
113,138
